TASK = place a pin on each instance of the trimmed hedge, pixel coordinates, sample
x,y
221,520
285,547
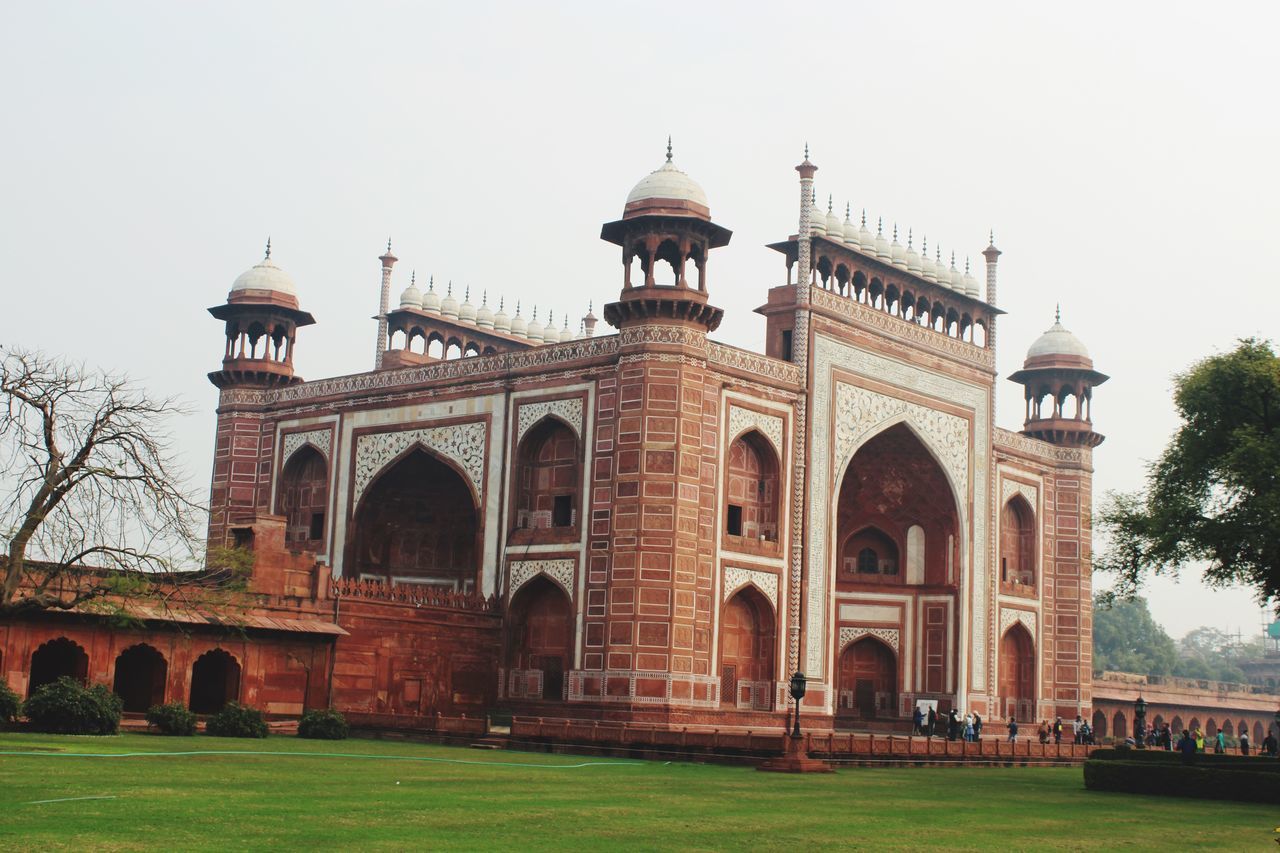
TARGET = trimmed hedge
x,y
10,706
1253,763
69,708
236,720
323,725
1190,780
172,719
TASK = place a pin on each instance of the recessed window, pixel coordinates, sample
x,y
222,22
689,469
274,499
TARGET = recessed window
x,y
317,526
786,345
868,562
562,511
735,520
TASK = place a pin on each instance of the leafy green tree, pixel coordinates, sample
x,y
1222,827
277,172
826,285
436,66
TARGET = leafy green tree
x,y
1213,496
1127,639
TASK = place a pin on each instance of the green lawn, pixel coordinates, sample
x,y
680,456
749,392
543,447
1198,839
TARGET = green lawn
x,y
398,795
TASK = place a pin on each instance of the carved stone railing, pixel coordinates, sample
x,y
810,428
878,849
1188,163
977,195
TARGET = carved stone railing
x,y
413,594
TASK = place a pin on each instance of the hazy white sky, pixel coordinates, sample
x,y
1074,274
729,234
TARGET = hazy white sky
x,y
1124,153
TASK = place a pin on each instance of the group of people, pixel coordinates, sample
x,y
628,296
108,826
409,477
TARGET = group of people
x,y
951,725
1081,731
1193,741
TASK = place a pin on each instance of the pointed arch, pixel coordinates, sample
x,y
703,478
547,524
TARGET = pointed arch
x,y
752,489
417,522
1018,544
215,681
140,676
540,643
548,476
1017,681
748,648
867,681
303,497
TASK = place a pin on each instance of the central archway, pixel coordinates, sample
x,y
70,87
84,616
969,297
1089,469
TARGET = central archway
x,y
417,523
541,638
1017,674
140,677
215,681
747,651
868,681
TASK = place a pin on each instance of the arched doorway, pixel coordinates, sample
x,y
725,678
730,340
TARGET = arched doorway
x,y
1176,727
140,678
747,651
751,489
1099,725
1018,674
215,681
1120,726
541,639
548,477
304,498
868,681
55,659
417,523
1018,543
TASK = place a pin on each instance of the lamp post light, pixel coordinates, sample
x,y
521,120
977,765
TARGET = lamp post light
x,y
797,693
1140,722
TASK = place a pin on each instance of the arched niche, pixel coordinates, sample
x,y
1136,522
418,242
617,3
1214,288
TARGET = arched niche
x,y
417,523
891,484
215,681
140,677
540,637
1099,725
1018,544
303,498
752,491
867,681
55,659
747,650
548,477
1017,683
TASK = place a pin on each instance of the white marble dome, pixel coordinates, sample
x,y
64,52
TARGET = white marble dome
x,y
1057,341
411,296
668,182
265,275
484,314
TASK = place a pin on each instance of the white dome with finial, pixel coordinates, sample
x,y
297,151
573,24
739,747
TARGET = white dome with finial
x,y
431,299
550,334
668,183
835,231
449,305
897,251
501,322
940,272
411,297
866,240
1057,341
484,314
970,283
817,219
849,228
467,311
265,276
928,271
534,330
883,249
914,264
519,326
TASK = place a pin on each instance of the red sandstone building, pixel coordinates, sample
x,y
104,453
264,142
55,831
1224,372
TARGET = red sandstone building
x,y
647,524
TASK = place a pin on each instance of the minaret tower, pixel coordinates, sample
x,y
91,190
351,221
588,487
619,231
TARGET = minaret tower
x,y
666,219
384,302
1057,370
262,319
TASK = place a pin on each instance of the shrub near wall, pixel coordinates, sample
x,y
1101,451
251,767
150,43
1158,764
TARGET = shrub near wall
x,y
1226,778
67,707
172,719
10,706
236,720
323,725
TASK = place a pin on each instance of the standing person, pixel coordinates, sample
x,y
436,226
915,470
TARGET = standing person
x,y
1168,738
1244,743
1187,746
1075,729
1013,730
968,728
1044,731
1057,730
917,722
953,725
1198,736
977,726
1219,744
933,721
1269,744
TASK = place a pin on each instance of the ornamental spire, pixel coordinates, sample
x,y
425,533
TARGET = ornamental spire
x,y
268,257
668,148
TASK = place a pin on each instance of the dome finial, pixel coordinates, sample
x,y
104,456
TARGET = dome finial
x,y
910,237
467,297
806,151
966,266
268,257
895,232
828,202
484,297
450,292
388,245
880,227
668,148
413,277
864,217
991,241
847,208
431,283
1057,313
502,300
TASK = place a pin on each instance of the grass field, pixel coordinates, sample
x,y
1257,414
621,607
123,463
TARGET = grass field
x,y
394,795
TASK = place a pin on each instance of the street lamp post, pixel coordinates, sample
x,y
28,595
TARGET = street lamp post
x,y
797,693
1140,722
